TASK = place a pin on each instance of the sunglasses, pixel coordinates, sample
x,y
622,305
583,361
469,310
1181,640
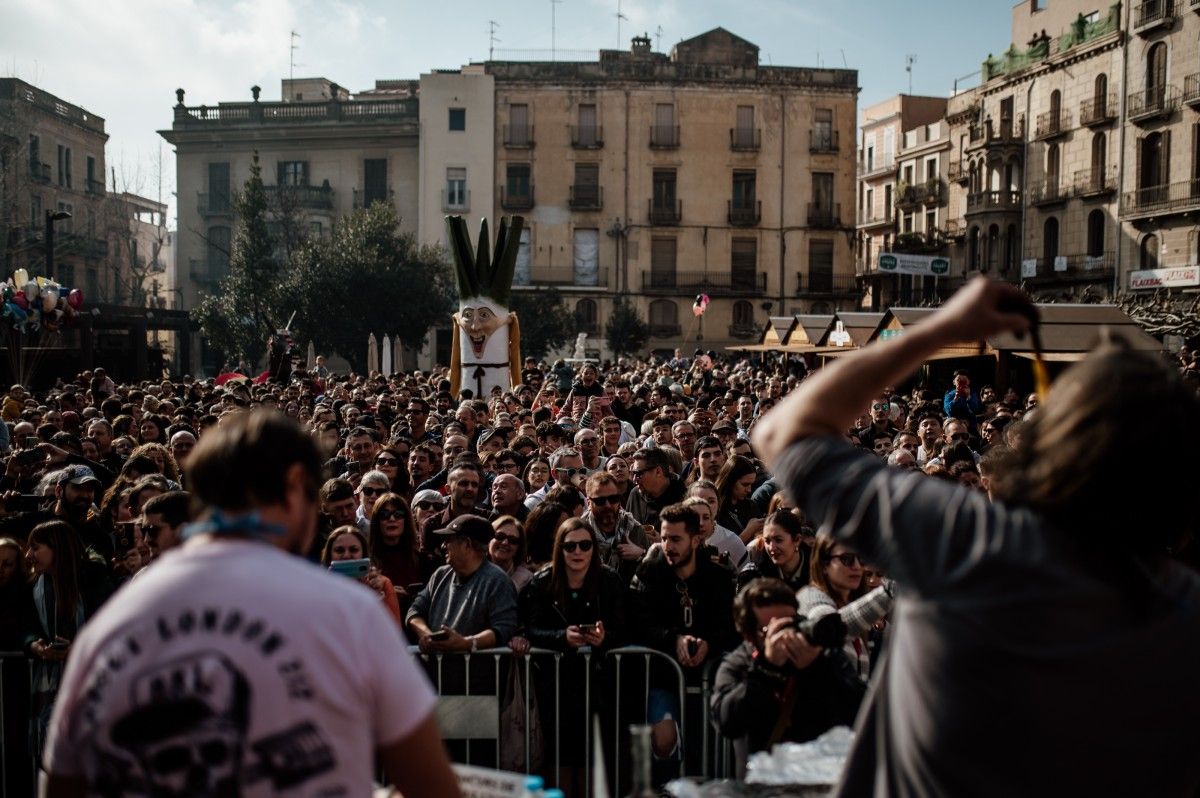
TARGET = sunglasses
x,y
613,499
388,461
392,515
570,546
373,491
880,407
848,560
428,505
510,540
635,473
960,436
571,472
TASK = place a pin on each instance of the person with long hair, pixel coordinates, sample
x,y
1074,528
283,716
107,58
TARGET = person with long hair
x,y
507,550
66,588
392,536
394,463
540,528
164,460
573,603
735,481
348,543
1061,603
536,474
783,552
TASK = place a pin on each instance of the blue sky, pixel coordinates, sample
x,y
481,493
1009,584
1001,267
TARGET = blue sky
x,y
123,59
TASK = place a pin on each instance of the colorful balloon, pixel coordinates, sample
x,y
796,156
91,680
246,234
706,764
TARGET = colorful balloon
x,y
32,290
20,301
49,300
20,277
75,298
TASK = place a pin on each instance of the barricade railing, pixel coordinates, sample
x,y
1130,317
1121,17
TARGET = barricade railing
x,y
7,756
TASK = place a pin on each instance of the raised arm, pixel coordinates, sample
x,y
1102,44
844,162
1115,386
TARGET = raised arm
x,y
828,402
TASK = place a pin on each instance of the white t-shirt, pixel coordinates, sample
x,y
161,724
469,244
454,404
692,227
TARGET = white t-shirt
x,y
231,667
727,541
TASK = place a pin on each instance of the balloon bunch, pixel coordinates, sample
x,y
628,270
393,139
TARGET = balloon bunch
x,y
31,304
700,305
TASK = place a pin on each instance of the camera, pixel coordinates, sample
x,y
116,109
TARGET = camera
x,y
828,631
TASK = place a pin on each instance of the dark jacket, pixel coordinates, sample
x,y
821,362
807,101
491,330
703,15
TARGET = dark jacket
x,y
545,618
749,694
646,509
760,565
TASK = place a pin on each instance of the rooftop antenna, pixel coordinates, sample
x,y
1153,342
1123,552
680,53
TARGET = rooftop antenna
x,y
492,37
620,17
553,28
658,39
909,60
292,57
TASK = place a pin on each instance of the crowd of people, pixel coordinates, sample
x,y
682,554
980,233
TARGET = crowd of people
x,y
588,508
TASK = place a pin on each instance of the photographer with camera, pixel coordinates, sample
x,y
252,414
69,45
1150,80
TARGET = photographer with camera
x,y
786,682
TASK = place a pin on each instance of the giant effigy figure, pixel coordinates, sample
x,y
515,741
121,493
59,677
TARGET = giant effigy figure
x,y
486,351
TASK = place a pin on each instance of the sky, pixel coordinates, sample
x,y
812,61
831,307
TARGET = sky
x,y
123,59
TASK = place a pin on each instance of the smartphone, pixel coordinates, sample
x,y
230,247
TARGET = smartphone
x,y
588,628
29,456
31,442
23,503
58,645
354,467
440,635
355,569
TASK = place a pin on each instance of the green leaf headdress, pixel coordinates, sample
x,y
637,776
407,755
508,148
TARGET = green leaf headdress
x,y
482,272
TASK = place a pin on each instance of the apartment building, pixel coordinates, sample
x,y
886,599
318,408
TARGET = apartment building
x,y
901,181
654,178
53,164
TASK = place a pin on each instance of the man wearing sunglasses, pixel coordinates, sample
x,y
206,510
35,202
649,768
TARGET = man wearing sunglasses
x,y
566,466
373,485
622,540
881,425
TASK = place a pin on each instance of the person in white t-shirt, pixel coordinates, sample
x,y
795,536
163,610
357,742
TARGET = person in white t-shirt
x,y
235,668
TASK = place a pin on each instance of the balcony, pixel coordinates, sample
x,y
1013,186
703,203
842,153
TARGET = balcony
x,y
824,284
364,199
743,332
1051,125
586,198
1152,103
87,246
874,218
1006,201
39,172
1191,89
456,201
1151,15
1091,183
1162,200
318,198
1048,192
822,141
1068,269
587,137
711,283
745,139
210,204
516,201
927,193
518,137
958,173
1009,133
665,331
742,214
918,243
664,137
94,187
564,276
954,230
1098,111
872,168
663,213
824,216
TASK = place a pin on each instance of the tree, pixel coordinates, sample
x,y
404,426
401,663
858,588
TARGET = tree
x,y
626,332
366,277
545,321
241,315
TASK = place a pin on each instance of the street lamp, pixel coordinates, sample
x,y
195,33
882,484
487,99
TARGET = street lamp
x,y
51,218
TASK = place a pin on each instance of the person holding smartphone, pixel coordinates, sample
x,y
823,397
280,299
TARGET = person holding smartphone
x,y
348,544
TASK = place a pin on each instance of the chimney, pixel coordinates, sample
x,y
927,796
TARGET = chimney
x,y
255,91
641,46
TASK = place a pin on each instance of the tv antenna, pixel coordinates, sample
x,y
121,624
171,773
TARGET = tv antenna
x,y
492,37
909,60
292,57
658,39
620,17
553,28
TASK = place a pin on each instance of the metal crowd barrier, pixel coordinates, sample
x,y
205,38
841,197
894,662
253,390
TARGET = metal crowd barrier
x,y
7,763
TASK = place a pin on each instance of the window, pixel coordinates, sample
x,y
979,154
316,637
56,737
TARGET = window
x,y
588,134
743,262
585,193
662,262
35,150
664,190
823,129
1156,73
35,211
820,266
375,181
908,173
743,314
66,225
218,252
456,188
1095,233
587,257
91,172
822,196
1050,241
521,273
218,187
1052,168
906,226
1149,252
743,131
64,166
1100,97
93,281
1153,169
519,132
930,222
518,181
887,202
663,134
585,317
1055,107
664,318
293,173
931,169
870,204
744,182
458,118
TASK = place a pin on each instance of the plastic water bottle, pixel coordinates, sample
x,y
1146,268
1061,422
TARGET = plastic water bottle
x,y
533,787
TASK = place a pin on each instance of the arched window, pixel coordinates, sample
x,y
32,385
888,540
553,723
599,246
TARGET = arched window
x,y
1050,241
1152,172
1052,169
585,317
743,313
1148,256
1156,70
993,248
1095,233
1100,96
664,318
973,249
1055,107
1099,158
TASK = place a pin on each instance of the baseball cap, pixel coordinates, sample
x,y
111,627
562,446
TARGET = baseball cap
x,y
77,475
473,527
429,495
724,426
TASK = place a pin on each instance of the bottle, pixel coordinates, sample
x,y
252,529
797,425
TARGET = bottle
x,y
553,793
533,787
642,757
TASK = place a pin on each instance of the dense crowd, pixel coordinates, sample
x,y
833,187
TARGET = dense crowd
x,y
590,507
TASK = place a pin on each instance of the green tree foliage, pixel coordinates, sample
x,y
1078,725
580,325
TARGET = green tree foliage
x,y
545,321
366,277
240,316
625,330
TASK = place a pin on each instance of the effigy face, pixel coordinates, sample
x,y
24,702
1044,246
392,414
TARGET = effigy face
x,y
483,342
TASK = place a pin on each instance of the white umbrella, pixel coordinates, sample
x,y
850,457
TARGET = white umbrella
x,y
386,366
372,353
311,360
397,355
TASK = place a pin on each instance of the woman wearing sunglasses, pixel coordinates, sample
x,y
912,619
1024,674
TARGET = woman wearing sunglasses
x,y
507,550
348,543
393,539
394,463
575,604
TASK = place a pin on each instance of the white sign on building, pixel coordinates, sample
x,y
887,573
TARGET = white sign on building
x,y
1174,277
930,266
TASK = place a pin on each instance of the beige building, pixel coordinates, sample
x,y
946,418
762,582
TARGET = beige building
x,y
654,178
901,197
322,153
